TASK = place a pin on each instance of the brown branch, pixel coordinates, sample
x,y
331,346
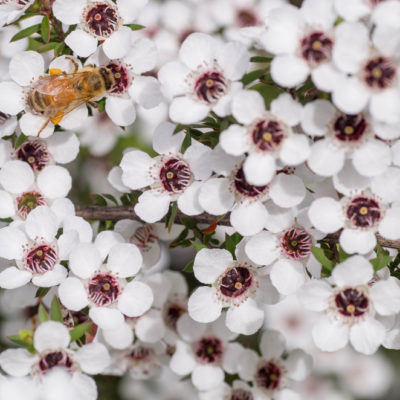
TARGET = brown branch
x,y
116,213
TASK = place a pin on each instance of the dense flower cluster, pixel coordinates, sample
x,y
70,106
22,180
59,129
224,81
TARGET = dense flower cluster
x,y
273,174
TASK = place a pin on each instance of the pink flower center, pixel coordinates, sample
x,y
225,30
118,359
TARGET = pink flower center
x,y
210,87
296,243
269,376
141,354
246,189
35,153
351,302
41,259
103,289
58,358
379,73
246,17
27,201
175,175
316,48
209,350
268,134
172,312
102,20
241,394
122,78
364,212
236,281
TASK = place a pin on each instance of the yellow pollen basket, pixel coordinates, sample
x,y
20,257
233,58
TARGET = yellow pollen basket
x,y
209,83
267,136
376,72
169,175
348,130
363,210
350,308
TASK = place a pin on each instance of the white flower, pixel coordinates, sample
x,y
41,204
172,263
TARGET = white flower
x,y
361,215
51,340
11,10
36,251
25,69
238,285
270,374
98,21
204,78
18,388
131,87
171,176
239,390
265,136
205,352
103,287
351,308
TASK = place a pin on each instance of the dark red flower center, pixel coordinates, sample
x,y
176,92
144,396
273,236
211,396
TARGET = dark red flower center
x,y
268,134
316,48
103,289
269,376
141,354
363,212
53,359
172,312
241,394
236,281
41,259
209,350
102,20
296,243
246,189
143,236
35,153
122,78
379,73
246,17
351,302
210,87
175,175
350,128
27,201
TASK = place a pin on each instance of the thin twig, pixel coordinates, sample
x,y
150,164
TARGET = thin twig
x,y
116,213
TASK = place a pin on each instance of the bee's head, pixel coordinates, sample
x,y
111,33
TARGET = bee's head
x,y
108,77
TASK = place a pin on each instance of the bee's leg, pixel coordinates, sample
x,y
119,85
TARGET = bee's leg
x,y
43,126
76,66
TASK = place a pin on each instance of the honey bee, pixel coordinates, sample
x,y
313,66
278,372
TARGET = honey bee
x,y
56,95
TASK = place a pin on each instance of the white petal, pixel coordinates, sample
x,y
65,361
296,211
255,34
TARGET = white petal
x,y
232,357
207,377
367,336
11,242
215,196
203,305
124,260
183,361
16,176
197,49
68,12
93,358
173,76
130,10
263,248
136,299
209,264
234,140
355,241
150,327
188,201
190,330
248,364
31,125
247,106
315,295
81,43
145,90
142,55
278,219
79,225
121,110
326,214
348,180
117,45
288,276
329,334
54,181
6,205
387,185
350,96
385,106
13,277
245,319
51,278
249,219
319,13
17,362
152,206
11,98
106,240
234,59
187,111
119,337
25,67
355,270
352,11
289,70
259,168
385,296
43,223
295,149
389,227
63,146
165,141
73,294
106,318
135,166
51,335
287,190
299,365
325,159
372,159
287,109
84,260
272,344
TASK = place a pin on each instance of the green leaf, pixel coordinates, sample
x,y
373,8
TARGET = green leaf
x,y
110,197
55,310
79,330
382,258
188,222
59,48
252,76
342,254
326,263
231,241
42,291
260,59
99,200
24,339
268,92
186,142
43,316
26,32
101,104
198,246
135,27
189,267
179,239
171,215
21,139
45,29
47,47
